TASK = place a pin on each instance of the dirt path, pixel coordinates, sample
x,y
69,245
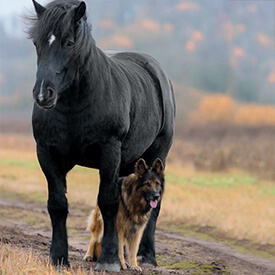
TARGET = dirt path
x,y
177,254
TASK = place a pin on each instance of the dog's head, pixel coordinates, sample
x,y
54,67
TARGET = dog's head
x,y
149,185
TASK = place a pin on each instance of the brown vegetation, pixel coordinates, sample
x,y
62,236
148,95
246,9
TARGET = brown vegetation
x,y
218,147
221,108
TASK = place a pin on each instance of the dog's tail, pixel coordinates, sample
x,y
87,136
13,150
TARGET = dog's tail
x,y
95,226
94,220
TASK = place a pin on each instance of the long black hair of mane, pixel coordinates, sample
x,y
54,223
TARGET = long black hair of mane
x,y
58,18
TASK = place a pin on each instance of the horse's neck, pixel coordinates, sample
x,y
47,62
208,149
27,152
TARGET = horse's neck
x,y
92,80
97,70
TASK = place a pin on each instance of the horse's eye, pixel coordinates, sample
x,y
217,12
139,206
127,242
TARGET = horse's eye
x,y
69,43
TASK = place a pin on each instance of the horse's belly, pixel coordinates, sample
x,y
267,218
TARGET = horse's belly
x,y
136,144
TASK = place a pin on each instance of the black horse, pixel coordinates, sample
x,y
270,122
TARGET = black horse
x,y
98,110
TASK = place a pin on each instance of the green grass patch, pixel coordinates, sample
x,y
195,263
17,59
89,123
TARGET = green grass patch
x,y
183,265
255,250
164,261
267,191
33,164
209,269
74,230
86,238
28,197
32,219
30,164
192,266
189,230
214,181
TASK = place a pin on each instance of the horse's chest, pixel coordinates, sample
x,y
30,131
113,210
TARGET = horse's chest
x,y
52,130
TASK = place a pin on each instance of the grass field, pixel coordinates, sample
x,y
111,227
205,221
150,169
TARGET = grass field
x,y
236,203
231,205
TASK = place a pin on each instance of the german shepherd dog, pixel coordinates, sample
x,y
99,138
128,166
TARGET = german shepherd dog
x,y
140,193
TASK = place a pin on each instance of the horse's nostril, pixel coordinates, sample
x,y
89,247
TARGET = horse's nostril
x,y
50,92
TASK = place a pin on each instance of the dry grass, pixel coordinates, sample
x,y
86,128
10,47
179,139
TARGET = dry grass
x,y
239,205
219,147
20,173
15,261
235,202
222,108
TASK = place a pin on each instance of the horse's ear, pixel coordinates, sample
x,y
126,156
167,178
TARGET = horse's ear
x,y
39,9
158,167
141,168
79,12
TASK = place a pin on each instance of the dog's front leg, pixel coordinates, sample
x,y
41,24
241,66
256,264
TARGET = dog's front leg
x,y
121,250
133,249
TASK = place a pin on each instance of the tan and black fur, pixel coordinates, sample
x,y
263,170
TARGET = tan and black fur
x,y
140,192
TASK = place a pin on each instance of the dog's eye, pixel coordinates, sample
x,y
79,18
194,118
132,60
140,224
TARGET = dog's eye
x,y
148,184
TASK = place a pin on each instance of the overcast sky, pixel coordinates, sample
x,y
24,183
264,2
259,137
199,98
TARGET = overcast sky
x,y
17,7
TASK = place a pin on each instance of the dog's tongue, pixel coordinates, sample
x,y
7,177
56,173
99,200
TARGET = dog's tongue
x,y
154,203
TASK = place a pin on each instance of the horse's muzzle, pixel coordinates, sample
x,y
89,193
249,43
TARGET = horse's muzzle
x,y
46,98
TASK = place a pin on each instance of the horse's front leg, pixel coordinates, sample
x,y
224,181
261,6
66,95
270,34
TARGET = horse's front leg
x,y
57,205
108,204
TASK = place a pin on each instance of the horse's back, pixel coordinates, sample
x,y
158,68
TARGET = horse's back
x,y
155,71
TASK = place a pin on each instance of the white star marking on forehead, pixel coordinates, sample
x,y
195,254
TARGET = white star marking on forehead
x,y
51,40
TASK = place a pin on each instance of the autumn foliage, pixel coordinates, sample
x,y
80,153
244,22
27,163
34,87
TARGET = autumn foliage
x,y
220,108
253,114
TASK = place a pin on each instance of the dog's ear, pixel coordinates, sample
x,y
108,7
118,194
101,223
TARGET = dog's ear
x,y
141,168
158,167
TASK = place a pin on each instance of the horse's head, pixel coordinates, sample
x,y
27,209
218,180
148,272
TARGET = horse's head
x,y
55,33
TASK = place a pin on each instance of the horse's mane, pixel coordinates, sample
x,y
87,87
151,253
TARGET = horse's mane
x,y
57,19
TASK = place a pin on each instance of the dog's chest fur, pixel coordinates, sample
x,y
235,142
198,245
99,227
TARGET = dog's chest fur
x,y
132,216
130,223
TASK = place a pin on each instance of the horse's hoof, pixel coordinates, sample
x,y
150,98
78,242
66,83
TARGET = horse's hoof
x,y
147,261
115,267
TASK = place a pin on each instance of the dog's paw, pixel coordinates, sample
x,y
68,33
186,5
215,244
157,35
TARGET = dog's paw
x,y
124,266
87,258
136,268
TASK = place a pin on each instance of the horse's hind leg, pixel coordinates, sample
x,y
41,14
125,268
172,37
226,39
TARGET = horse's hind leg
x,y
57,206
